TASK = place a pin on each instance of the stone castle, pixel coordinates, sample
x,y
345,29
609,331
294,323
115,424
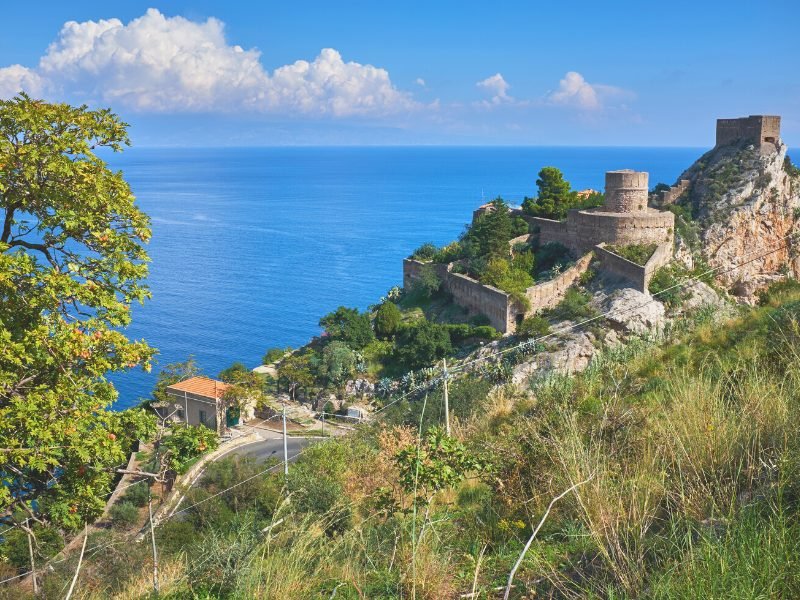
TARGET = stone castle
x,y
624,219
762,131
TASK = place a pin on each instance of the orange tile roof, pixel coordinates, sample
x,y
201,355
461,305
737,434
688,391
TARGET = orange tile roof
x,y
202,386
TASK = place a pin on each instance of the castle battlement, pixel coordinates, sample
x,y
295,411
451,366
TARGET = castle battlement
x,y
762,131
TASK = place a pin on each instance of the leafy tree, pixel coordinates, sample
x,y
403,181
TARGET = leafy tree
x,y
490,233
553,200
72,262
422,343
387,319
297,370
172,374
273,355
515,280
186,442
439,462
349,326
338,363
245,386
427,283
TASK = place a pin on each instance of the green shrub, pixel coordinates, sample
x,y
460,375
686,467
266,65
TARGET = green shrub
x,y
479,320
486,332
533,327
387,319
421,344
425,252
15,545
138,494
574,306
552,255
427,283
636,253
124,514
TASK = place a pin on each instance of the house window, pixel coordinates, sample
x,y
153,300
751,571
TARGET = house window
x,y
180,414
203,417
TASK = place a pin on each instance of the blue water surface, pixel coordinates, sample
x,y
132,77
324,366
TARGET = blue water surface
x,y
251,246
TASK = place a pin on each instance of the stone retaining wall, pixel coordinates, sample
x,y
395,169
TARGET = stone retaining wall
x,y
637,275
502,311
549,293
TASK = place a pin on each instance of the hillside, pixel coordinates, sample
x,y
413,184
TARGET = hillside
x,y
740,203
689,449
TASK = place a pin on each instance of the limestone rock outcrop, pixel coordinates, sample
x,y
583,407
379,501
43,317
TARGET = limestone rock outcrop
x,y
747,203
632,311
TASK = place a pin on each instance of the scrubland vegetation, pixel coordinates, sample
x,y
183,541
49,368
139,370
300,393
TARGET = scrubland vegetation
x,y
688,448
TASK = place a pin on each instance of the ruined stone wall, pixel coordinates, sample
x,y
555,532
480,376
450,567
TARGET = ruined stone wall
x,y
763,131
669,196
549,293
480,299
474,296
638,276
626,191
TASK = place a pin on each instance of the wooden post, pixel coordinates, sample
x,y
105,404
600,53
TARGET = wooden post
x,y
323,422
33,563
285,448
446,399
153,541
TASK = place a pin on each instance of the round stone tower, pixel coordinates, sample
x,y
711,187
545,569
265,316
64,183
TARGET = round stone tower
x,y
626,191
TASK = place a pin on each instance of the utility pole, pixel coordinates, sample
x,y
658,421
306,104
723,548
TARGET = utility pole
x,y
33,564
446,399
323,422
153,541
285,448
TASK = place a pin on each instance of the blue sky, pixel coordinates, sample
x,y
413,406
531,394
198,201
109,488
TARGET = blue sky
x,y
272,73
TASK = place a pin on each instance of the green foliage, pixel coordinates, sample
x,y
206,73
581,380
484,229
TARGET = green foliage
x,y
425,252
555,199
421,344
273,355
428,282
461,332
505,275
15,545
490,233
338,363
636,253
349,326
779,292
186,442
137,494
124,514
660,187
439,462
665,283
533,327
387,320
573,307
72,262
235,373
298,370
754,557
552,256
791,169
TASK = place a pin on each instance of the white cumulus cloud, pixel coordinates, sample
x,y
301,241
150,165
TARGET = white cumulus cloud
x,y
497,87
573,90
171,64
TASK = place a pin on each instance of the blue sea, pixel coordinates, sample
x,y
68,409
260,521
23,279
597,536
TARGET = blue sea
x,y
251,246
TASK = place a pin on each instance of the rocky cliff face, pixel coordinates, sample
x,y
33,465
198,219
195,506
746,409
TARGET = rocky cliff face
x,y
743,205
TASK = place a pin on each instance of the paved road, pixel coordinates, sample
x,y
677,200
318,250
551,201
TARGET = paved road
x,y
272,447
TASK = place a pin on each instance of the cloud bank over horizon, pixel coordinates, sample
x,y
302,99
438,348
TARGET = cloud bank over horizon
x,y
157,63
161,70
